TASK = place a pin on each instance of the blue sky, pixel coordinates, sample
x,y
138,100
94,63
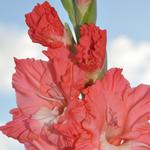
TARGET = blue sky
x,y
118,17
129,17
128,27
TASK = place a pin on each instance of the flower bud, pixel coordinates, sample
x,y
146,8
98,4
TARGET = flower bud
x,y
91,49
45,26
83,4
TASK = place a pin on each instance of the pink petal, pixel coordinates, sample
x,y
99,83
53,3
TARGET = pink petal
x,y
18,128
39,144
73,81
60,60
138,102
34,84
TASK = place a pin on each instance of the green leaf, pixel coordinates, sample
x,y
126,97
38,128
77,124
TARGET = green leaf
x,y
69,7
90,15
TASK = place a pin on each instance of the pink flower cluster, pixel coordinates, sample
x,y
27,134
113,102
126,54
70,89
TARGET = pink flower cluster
x,y
57,108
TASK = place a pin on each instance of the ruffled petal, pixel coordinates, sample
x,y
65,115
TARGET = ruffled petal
x,y
118,111
26,130
91,49
83,119
69,127
138,104
39,100
73,81
34,85
128,111
115,82
114,88
60,60
18,128
40,144
68,74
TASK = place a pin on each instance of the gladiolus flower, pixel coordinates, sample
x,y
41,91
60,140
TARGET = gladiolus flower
x,y
39,100
91,50
110,116
42,98
45,27
117,115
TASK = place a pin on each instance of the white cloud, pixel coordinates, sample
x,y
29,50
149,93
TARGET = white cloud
x,y
8,143
133,57
14,43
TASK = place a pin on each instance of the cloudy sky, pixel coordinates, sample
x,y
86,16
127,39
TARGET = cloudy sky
x,y
127,23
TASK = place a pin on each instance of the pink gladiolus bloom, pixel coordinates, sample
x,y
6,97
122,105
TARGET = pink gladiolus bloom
x,y
117,116
41,100
110,116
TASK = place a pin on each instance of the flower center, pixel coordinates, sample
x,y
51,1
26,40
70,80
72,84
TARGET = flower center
x,y
106,145
55,106
46,116
111,118
112,128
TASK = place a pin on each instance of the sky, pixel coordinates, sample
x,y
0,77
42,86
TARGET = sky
x,y
128,45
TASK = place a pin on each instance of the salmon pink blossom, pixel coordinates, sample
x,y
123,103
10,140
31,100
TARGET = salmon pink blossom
x,y
41,100
110,116
117,115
